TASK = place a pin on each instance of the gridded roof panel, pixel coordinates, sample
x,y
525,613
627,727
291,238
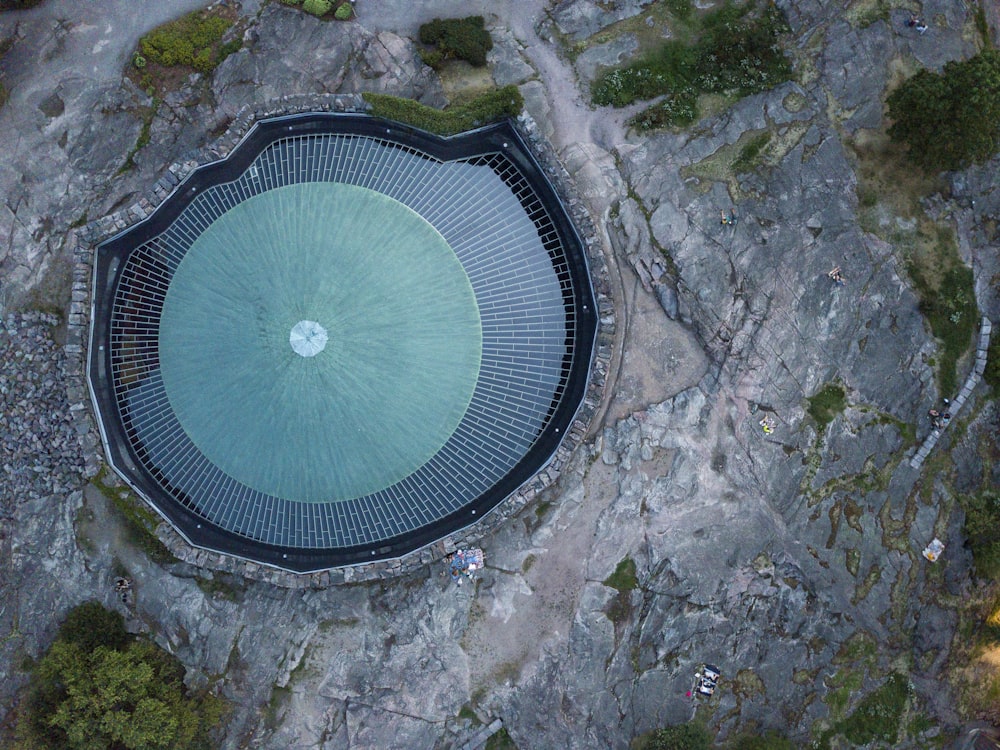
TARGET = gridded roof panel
x,y
531,316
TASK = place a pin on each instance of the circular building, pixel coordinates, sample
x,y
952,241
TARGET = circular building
x,y
344,341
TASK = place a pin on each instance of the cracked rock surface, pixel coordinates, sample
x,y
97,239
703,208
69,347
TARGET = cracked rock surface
x,y
790,559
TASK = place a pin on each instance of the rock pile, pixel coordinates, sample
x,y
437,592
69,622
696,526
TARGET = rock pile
x,y
39,447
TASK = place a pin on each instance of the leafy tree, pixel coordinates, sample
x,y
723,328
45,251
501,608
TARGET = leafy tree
x,y
104,690
952,118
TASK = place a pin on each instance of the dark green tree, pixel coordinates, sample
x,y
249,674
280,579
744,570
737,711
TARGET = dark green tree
x,y
950,119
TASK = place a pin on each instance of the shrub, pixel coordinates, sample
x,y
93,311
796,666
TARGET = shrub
x,y
462,38
317,7
138,61
485,108
190,40
949,119
344,12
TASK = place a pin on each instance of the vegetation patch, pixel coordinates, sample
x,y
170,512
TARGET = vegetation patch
x,y
624,578
139,521
872,577
99,687
748,158
691,736
624,581
193,43
858,647
500,741
826,403
218,587
342,10
456,39
950,119
877,717
992,373
948,302
889,187
486,108
769,740
734,51
982,528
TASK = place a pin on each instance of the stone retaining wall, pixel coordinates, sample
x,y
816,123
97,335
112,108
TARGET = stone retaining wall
x,y
91,235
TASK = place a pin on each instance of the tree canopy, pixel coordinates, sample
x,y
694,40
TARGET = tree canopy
x,y
98,688
950,119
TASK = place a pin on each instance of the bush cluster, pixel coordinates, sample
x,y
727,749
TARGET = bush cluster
x,y
737,53
950,119
460,38
99,687
191,40
484,109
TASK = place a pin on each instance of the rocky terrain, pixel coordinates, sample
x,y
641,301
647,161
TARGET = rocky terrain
x,y
790,559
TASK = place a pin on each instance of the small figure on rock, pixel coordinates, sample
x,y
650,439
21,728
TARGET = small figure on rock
x,y
728,220
837,276
767,424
